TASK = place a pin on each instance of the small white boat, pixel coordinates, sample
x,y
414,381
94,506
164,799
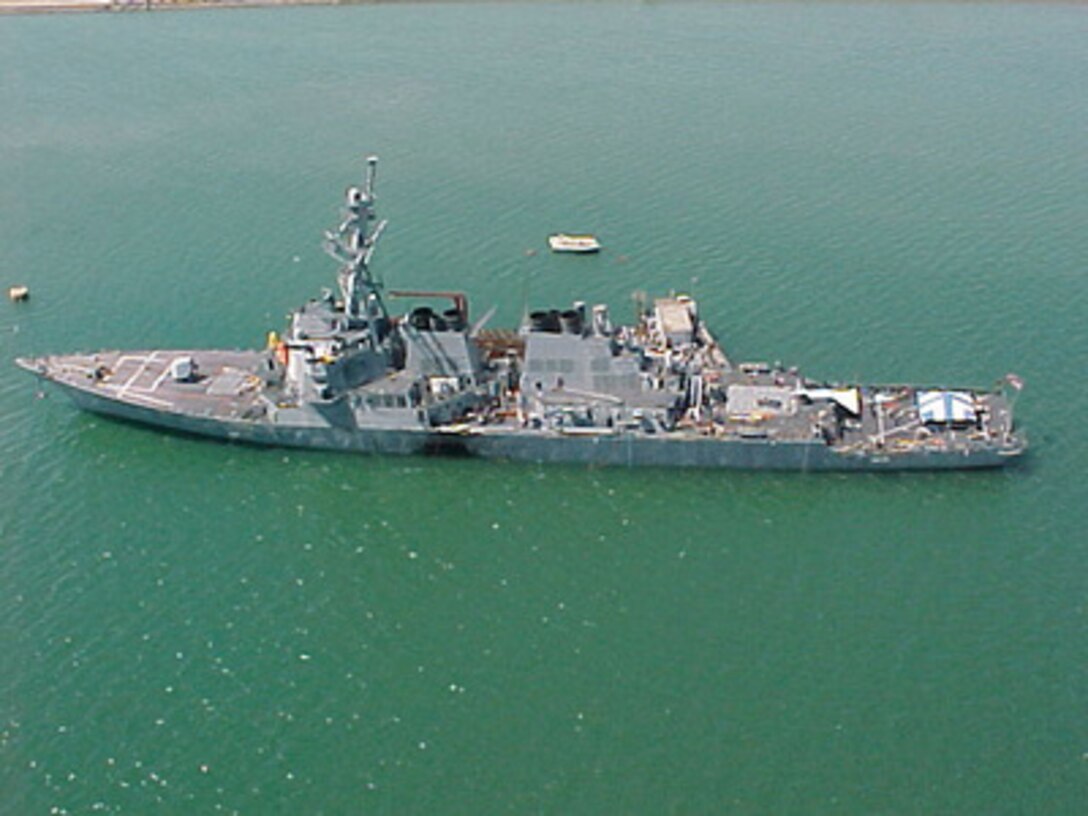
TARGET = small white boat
x,y
565,242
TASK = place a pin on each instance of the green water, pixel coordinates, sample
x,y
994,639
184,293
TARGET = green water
x,y
896,192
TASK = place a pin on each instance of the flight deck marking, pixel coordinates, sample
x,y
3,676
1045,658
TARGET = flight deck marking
x,y
137,397
158,380
139,372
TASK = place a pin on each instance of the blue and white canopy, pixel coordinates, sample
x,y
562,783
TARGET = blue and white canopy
x,y
945,406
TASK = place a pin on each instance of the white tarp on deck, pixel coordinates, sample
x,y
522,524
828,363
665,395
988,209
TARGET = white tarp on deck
x,y
945,406
848,398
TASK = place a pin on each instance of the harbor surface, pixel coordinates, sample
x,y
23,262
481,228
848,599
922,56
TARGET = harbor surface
x,y
872,192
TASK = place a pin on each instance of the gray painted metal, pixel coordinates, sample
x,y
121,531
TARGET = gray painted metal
x,y
568,386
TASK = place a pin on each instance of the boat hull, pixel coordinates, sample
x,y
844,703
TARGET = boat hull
x,y
617,450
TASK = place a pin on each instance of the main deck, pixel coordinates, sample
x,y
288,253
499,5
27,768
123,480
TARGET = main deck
x,y
223,385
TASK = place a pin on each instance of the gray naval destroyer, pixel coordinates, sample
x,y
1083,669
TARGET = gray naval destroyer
x,y
569,385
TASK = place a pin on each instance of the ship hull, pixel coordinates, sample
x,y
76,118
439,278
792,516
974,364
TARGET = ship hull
x,y
524,446
386,441
721,454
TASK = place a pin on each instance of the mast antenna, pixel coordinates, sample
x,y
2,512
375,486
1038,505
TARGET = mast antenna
x,y
352,245
371,174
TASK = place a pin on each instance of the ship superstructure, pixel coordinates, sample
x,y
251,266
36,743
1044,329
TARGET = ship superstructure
x,y
568,385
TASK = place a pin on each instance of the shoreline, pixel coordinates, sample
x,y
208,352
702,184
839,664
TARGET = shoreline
x,y
88,6
99,6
